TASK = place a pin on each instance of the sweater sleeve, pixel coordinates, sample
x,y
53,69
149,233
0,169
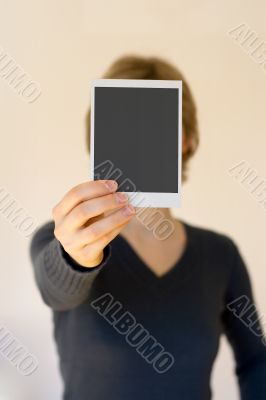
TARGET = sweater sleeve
x,y
243,328
62,282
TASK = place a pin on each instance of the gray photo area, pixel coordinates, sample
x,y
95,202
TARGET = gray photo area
x,y
136,128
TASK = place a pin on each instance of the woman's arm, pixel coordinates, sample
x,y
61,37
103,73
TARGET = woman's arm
x,y
68,254
63,283
243,328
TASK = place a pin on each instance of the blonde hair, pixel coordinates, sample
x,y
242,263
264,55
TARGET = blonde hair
x,y
138,67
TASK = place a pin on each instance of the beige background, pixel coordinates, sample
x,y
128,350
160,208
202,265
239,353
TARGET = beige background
x,y
64,44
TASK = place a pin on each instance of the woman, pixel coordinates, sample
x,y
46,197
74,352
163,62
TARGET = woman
x,y
136,317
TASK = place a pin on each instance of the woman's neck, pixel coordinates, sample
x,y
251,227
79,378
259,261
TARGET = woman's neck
x,y
158,252
147,218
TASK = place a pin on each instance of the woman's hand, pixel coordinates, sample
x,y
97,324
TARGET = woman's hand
x,y
88,217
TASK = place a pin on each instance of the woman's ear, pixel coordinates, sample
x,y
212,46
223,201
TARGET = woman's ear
x,y
185,142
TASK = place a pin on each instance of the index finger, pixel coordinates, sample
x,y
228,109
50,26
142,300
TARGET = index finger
x,y
82,192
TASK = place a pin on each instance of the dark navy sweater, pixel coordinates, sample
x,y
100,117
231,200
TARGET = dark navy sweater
x,y
122,333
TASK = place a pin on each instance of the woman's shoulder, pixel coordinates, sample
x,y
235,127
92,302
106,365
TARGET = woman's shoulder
x,y
214,239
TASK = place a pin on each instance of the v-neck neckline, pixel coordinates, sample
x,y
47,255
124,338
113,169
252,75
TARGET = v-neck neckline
x,y
138,268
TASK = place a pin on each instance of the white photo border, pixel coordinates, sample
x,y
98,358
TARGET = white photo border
x,y
143,199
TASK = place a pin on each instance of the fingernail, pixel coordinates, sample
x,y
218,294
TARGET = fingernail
x,y
111,185
129,210
121,197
